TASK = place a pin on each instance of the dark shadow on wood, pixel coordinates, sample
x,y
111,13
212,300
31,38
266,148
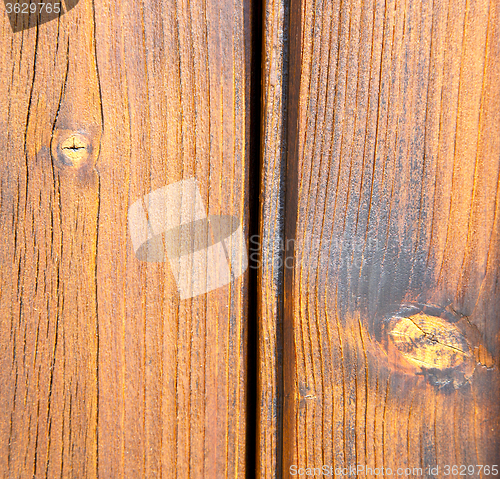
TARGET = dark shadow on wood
x,y
291,204
255,17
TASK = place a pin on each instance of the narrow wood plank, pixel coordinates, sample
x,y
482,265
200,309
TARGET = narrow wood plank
x,y
397,172
49,213
266,250
175,87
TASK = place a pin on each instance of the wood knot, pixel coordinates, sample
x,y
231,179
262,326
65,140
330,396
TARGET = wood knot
x,y
71,149
430,341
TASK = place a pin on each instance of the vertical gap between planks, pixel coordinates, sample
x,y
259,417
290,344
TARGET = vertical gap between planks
x,y
287,442
254,227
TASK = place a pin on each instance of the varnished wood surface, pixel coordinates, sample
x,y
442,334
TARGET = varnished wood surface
x,y
105,372
396,168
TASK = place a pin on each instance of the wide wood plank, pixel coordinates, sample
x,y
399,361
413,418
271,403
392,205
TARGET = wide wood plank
x,y
396,173
107,369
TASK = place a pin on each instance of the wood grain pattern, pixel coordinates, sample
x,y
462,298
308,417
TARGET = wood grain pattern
x,y
266,250
397,171
49,216
105,371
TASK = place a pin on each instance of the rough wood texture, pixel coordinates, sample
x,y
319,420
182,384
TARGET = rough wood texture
x,y
266,250
104,370
49,216
397,175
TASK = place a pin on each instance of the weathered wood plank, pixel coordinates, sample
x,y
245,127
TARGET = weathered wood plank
x,y
175,83
396,170
49,214
266,249
174,372
106,370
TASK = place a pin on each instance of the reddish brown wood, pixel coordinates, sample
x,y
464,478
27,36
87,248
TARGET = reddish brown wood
x,y
105,370
394,180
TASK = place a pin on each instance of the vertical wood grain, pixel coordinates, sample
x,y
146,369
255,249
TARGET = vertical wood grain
x,y
106,372
175,86
266,249
49,214
397,172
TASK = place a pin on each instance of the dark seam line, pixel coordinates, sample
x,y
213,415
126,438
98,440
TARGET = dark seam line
x,y
280,287
254,165
294,54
